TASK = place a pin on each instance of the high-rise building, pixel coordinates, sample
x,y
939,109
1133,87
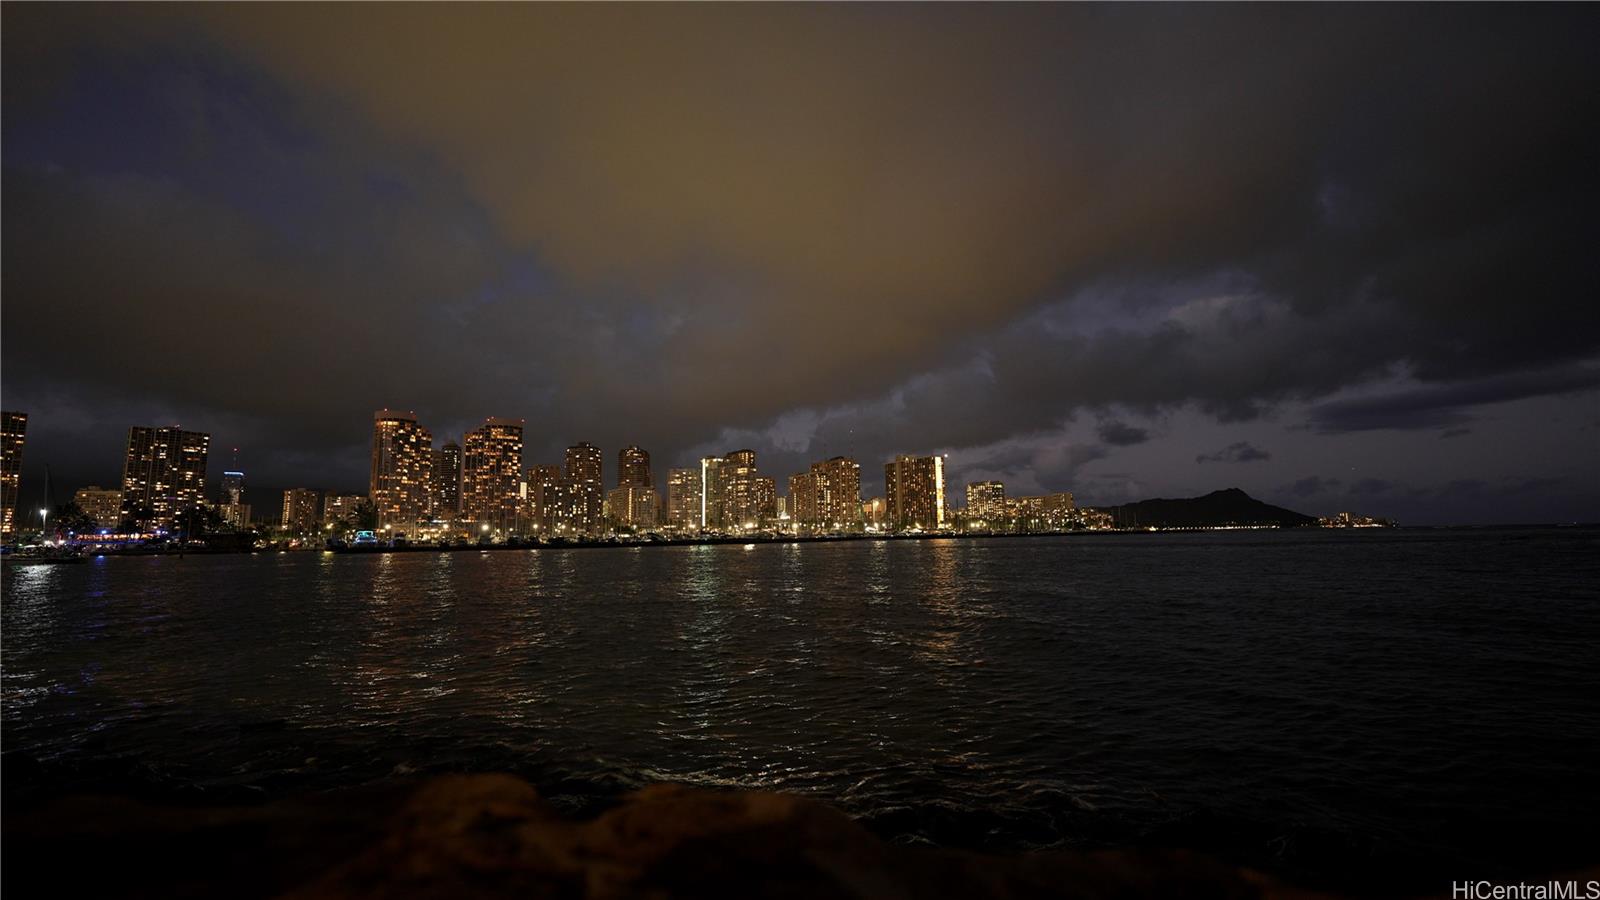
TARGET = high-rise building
x,y
549,508
986,503
401,460
683,499
232,504
828,496
491,473
104,506
766,499
163,475
634,503
13,434
300,508
444,482
838,493
711,492
744,498
803,498
584,465
633,468
914,492
345,508
633,507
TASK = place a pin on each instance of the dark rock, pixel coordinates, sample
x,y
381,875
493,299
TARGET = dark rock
x,y
492,836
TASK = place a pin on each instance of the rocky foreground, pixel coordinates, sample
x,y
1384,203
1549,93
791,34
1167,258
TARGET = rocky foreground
x,y
492,836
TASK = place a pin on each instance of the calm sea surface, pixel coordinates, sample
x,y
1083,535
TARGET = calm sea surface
x,y
1335,705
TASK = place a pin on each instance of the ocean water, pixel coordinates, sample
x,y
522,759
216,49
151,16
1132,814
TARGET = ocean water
x,y
1376,708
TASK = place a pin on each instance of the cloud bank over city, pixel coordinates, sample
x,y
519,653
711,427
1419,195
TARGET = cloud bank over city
x,y
1336,257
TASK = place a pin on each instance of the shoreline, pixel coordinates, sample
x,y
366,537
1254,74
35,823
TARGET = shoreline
x,y
715,541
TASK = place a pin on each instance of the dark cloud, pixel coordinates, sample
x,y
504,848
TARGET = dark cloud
x,y
1370,486
1121,434
1240,452
813,229
1434,406
1310,486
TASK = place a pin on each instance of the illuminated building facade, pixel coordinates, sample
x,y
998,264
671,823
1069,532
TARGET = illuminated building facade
x,y
401,459
914,493
1048,512
163,474
13,434
986,503
342,508
874,512
711,494
633,468
746,499
766,499
683,499
549,509
491,473
803,498
104,506
634,503
584,482
633,507
300,508
232,505
828,496
838,493
444,481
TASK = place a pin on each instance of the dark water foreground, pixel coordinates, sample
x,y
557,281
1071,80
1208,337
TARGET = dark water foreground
x,y
1351,709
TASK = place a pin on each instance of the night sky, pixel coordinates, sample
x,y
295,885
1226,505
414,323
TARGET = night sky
x,y
1341,257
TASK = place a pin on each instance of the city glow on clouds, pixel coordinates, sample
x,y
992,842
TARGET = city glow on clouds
x,y
993,231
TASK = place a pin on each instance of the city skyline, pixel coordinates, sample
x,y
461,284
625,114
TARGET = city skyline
x,y
1235,257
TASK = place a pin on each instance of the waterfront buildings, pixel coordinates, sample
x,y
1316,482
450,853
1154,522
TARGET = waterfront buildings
x,y
342,508
711,502
634,502
803,498
914,493
444,482
300,508
766,499
491,473
587,488
232,506
735,494
986,504
13,434
633,507
548,508
828,496
163,475
401,460
838,493
100,504
684,499
633,468
741,499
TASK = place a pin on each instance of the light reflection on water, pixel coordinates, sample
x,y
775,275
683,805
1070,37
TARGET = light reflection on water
x,y
999,693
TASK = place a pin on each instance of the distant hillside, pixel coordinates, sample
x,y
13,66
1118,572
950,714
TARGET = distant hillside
x,y
1229,507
